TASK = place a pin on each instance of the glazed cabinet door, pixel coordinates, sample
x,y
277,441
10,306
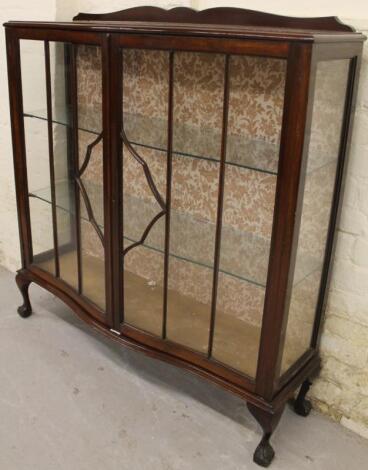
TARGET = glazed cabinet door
x,y
200,149
63,199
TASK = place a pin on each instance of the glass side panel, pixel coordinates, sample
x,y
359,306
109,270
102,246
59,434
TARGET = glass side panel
x,y
145,94
37,152
327,117
255,112
65,186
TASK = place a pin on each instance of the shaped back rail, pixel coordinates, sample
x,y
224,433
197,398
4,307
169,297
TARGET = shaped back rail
x,y
219,16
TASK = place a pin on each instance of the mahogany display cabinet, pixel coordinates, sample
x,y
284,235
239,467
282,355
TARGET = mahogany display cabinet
x,y
179,177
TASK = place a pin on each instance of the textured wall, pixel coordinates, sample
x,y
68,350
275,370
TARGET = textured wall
x,y
342,389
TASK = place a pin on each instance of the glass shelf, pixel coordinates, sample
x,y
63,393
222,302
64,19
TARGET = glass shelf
x,y
89,121
243,255
204,143
188,141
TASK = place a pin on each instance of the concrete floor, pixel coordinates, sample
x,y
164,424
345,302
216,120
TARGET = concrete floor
x,y
71,400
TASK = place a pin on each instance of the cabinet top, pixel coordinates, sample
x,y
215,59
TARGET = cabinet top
x,y
213,22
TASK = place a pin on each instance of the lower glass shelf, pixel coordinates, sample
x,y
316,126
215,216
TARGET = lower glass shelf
x,y
244,255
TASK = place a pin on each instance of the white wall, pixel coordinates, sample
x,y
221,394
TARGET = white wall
x,y
9,244
354,9
342,389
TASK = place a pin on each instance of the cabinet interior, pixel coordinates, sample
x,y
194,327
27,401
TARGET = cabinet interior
x,y
256,88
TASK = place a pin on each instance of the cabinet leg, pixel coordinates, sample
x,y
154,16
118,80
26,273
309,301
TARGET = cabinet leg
x,y
24,310
301,405
268,420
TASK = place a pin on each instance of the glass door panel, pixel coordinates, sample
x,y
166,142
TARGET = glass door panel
x,y
256,98
327,116
64,161
144,134
193,274
197,111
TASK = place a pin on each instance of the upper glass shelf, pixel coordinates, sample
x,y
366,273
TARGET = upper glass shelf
x,y
89,120
188,141
243,255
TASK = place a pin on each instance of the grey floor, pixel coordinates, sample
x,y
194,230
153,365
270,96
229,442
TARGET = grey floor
x,y
71,400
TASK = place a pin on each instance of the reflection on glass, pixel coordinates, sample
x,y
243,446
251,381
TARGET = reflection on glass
x,y
32,58
42,239
92,256
90,180
68,260
92,177
145,92
255,113
93,265
37,153
65,203
73,187
143,289
327,116
63,170
143,268
89,77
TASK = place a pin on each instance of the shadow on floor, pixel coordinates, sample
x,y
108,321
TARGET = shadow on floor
x,y
153,370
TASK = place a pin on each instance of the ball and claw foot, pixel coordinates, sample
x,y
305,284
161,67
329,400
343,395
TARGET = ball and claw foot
x,y
301,405
268,420
24,311
264,453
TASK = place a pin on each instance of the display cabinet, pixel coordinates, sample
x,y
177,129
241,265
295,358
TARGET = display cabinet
x,y
179,178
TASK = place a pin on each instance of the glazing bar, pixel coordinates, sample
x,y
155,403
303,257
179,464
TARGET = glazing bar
x,y
121,159
74,106
220,203
51,156
168,187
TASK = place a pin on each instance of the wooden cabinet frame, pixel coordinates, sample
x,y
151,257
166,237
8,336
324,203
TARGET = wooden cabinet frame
x,y
302,42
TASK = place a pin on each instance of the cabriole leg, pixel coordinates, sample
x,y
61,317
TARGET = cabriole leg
x,y
23,283
301,405
268,420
